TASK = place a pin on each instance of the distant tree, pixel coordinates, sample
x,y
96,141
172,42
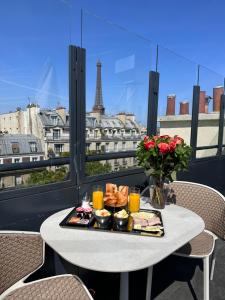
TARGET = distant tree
x,y
95,167
47,176
65,154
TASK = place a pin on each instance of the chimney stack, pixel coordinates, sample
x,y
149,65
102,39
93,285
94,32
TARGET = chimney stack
x,y
202,102
207,99
170,110
184,108
217,92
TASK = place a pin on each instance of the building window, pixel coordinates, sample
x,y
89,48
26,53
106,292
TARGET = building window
x,y
107,147
97,146
34,159
26,159
58,148
33,147
124,161
54,120
18,180
134,161
87,147
134,145
15,148
16,160
124,146
56,134
7,160
115,146
95,134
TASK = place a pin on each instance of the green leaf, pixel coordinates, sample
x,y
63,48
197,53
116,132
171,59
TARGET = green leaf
x,y
174,175
149,172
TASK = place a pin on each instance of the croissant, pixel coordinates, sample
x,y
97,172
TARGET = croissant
x,y
116,196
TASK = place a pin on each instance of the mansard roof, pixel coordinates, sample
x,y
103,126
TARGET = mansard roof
x,y
47,117
23,140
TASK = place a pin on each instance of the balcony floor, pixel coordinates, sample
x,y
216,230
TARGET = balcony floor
x,y
174,278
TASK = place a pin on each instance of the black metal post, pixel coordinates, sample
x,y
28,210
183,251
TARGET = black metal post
x,y
153,102
194,122
77,112
72,107
221,126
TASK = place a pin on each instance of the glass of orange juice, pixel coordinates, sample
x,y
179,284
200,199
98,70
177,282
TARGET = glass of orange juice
x,y
97,197
134,199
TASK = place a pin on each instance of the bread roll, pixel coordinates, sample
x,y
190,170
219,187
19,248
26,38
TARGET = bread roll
x,y
111,188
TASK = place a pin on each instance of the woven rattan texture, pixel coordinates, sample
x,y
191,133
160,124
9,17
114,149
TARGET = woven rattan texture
x,y
58,288
20,254
205,202
201,245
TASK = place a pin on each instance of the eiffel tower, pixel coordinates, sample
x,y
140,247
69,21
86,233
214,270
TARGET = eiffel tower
x,y
98,106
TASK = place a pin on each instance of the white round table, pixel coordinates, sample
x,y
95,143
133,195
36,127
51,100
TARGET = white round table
x,y
113,252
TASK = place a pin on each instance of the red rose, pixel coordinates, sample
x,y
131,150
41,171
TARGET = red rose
x,y
163,148
148,145
146,138
178,140
172,146
165,136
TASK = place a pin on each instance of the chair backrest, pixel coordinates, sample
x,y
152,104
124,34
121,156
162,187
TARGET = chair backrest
x,y
20,255
208,203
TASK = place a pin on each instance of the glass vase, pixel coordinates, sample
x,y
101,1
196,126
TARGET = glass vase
x,y
158,198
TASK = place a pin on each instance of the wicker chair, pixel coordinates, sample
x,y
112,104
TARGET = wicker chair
x,y
21,254
209,204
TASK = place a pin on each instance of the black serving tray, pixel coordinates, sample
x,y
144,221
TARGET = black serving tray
x,y
73,213
112,226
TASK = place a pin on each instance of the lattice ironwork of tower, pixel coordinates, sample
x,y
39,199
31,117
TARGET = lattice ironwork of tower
x,y
98,106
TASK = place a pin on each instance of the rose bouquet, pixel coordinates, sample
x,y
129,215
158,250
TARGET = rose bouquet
x,y
162,156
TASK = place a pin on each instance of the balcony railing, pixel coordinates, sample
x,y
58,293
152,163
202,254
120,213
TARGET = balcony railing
x,y
115,138
57,138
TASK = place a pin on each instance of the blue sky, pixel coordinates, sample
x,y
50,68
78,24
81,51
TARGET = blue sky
x,y
35,35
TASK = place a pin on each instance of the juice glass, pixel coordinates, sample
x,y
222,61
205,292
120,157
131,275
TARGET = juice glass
x,y
97,197
134,200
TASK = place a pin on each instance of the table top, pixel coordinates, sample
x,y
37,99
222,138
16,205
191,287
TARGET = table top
x,y
113,252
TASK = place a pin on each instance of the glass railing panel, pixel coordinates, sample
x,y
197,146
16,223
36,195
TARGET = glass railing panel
x,y
110,166
178,75
117,78
34,118
34,177
212,88
206,153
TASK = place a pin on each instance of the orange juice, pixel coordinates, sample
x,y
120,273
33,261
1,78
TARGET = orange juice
x,y
134,202
97,198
